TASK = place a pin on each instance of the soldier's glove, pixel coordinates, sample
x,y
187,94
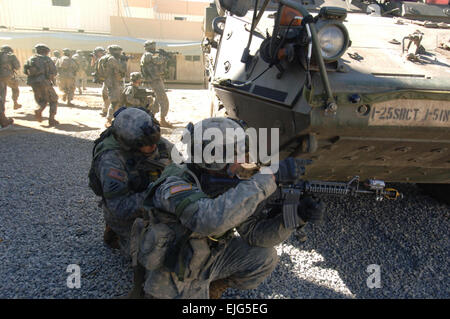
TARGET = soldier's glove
x,y
311,210
290,170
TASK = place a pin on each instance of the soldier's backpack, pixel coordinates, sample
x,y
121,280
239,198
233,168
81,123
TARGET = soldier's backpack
x,y
5,68
94,182
100,68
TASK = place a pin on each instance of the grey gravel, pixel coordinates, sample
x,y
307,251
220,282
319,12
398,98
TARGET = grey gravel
x,y
49,219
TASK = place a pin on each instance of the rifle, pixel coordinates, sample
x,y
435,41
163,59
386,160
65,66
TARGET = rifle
x,y
143,94
287,197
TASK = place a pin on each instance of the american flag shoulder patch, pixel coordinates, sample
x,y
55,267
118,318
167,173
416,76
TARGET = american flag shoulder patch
x,y
180,188
117,174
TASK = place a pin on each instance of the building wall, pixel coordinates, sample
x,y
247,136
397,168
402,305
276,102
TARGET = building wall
x,y
162,30
90,16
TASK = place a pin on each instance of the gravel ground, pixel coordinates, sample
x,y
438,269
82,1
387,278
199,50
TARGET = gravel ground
x,y
49,219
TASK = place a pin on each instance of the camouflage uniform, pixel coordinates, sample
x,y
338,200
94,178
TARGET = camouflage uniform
x,y
115,72
67,70
152,68
11,65
123,180
81,76
41,73
188,241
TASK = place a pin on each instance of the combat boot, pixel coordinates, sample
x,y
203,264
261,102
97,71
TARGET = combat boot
x,y
164,123
137,292
110,238
64,97
17,105
80,91
38,115
5,121
52,121
217,288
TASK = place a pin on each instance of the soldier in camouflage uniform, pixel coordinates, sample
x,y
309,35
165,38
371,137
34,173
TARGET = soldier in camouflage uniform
x,y
41,72
56,56
5,73
97,54
81,77
188,249
126,158
13,65
67,69
132,95
116,70
152,68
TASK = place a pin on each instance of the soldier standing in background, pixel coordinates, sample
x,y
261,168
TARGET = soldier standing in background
x,y
67,70
114,69
5,74
13,65
97,54
81,77
56,56
41,72
152,67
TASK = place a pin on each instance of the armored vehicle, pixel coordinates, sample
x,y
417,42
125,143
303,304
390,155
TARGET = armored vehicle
x,y
355,90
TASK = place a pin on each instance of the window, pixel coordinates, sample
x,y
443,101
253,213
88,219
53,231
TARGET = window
x,y
180,18
61,3
188,57
196,58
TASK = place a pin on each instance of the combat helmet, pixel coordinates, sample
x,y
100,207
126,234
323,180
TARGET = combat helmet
x,y
151,45
99,49
212,133
134,128
67,51
40,47
56,53
135,76
6,49
114,48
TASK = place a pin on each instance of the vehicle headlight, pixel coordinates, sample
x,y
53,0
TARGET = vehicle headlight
x,y
333,39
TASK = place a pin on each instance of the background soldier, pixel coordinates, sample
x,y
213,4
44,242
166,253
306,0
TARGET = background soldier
x,y
41,72
126,158
97,54
188,248
114,69
5,74
152,67
13,65
81,77
133,95
67,70
56,56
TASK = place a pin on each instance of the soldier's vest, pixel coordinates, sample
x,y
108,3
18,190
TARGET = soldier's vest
x,y
36,69
6,70
162,242
138,179
152,65
100,68
66,67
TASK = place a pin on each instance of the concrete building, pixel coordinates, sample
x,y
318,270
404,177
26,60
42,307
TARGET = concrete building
x,y
175,25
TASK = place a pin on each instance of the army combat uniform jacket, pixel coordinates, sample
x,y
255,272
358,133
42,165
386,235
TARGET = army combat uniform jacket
x,y
41,73
188,241
123,177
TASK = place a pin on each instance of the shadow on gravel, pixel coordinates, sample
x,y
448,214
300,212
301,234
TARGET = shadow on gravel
x,y
49,219
407,239
80,107
79,127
